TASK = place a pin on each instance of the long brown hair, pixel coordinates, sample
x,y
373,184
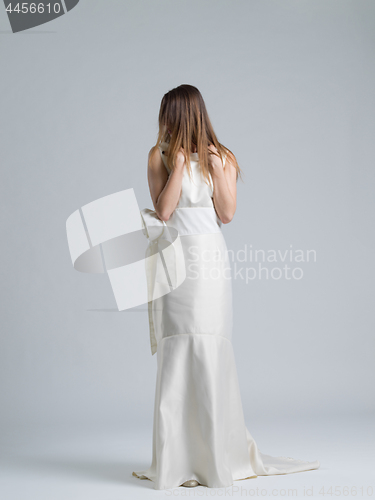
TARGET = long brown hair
x,y
183,112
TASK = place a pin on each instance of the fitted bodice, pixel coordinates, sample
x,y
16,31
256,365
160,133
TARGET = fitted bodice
x,y
195,192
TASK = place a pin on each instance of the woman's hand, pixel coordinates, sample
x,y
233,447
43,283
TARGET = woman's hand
x,y
180,159
215,164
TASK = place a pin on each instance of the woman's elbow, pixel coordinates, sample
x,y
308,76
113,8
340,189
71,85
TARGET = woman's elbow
x,y
164,216
226,218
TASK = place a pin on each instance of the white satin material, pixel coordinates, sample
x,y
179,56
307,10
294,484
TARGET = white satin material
x,y
164,264
202,304
199,428
195,220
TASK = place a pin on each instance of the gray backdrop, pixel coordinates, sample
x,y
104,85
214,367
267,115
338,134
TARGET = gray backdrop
x,y
289,88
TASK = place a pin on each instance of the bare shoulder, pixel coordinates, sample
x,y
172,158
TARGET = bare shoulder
x,y
231,167
155,161
230,158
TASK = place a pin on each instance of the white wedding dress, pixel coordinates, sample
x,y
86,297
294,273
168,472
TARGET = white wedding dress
x,y
199,430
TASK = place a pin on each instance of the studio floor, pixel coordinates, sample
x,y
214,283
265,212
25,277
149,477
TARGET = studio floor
x,y
90,462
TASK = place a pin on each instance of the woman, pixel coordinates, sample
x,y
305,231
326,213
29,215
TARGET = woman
x,y
199,433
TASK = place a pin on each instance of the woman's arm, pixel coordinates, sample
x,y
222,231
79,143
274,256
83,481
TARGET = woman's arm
x,y
225,186
165,191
